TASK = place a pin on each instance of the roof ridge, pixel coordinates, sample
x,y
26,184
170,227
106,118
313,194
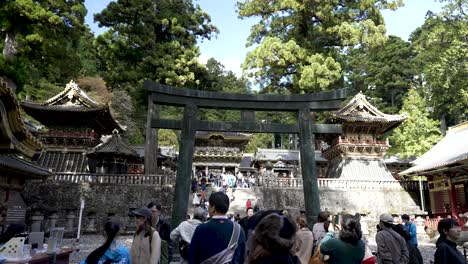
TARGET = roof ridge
x,y
359,102
72,90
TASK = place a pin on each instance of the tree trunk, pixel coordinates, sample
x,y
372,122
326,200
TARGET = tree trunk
x,y
443,125
11,46
9,52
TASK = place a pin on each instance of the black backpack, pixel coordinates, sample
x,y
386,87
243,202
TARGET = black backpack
x,y
184,249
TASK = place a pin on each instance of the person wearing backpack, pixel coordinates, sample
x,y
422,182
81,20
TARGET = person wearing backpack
x,y
110,252
184,232
146,245
164,231
218,240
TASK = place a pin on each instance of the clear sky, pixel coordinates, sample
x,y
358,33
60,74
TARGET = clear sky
x,y
228,46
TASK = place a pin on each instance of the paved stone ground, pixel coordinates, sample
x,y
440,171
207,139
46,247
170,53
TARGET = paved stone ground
x,y
89,242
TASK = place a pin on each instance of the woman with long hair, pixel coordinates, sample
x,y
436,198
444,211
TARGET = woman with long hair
x,y
110,251
349,247
320,229
273,241
305,240
447,252
146,246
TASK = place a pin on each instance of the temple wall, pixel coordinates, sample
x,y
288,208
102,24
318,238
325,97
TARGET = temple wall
x,y
101,200
363,201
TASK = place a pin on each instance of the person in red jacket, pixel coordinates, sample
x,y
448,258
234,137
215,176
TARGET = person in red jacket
x,y
248,204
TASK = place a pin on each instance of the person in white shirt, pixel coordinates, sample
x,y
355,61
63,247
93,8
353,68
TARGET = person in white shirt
x,y
185,230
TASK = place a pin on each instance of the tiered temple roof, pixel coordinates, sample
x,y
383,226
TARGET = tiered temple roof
x,y
17,145
116,147
358,153
211,146
73,108
360,112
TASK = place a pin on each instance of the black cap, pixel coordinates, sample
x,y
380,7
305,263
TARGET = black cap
x,y
145,212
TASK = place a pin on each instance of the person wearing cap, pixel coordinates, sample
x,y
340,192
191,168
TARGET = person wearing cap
x,y
391,247
410,228
146,245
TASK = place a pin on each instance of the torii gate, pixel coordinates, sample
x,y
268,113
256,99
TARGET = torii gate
x,y
193,100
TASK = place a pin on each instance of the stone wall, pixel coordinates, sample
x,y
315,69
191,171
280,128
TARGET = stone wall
x,y
101,202
362,201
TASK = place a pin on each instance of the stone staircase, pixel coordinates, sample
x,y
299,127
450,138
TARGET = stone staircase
x,y
238,205
241,195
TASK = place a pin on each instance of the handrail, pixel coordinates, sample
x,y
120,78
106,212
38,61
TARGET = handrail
x,y
325,183
163,179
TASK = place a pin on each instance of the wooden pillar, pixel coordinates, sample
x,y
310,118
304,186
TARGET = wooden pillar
x,y
453,197
151,147
309,176
184,168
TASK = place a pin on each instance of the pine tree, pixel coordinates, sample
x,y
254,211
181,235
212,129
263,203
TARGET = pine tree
x,y
419,132
41,40
301,43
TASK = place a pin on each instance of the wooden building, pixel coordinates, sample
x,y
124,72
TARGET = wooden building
x,y
358,153
74,127
114,157
285,162
446,167
218,152
17,147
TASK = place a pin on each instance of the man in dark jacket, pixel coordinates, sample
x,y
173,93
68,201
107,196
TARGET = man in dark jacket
x,y
391,247
244,222
212,237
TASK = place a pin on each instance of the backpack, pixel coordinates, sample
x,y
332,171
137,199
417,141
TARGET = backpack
x,y
184,249
164,259
164,231
227,254
164,252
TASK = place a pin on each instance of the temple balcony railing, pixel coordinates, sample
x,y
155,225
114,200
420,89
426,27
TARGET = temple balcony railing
x,y
166,178
339,184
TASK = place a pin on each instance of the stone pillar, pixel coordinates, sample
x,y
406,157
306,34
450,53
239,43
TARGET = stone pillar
x,y
36,220
309,174
53,218
206,171
91,223
182,187
364,226
70,220
151,147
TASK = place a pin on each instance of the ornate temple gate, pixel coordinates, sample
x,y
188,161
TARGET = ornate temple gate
x,y
193,100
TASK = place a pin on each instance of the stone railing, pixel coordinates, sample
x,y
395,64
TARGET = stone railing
x,y
163,179
337,184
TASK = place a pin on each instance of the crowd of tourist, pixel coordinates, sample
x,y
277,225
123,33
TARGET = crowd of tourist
x,y
223,180
270,237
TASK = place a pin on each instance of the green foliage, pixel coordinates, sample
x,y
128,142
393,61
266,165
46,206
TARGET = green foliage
x,y
385,72
167,137
300,43
259,141
441,47
419,132
124,111
213,77
42,48
150,39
